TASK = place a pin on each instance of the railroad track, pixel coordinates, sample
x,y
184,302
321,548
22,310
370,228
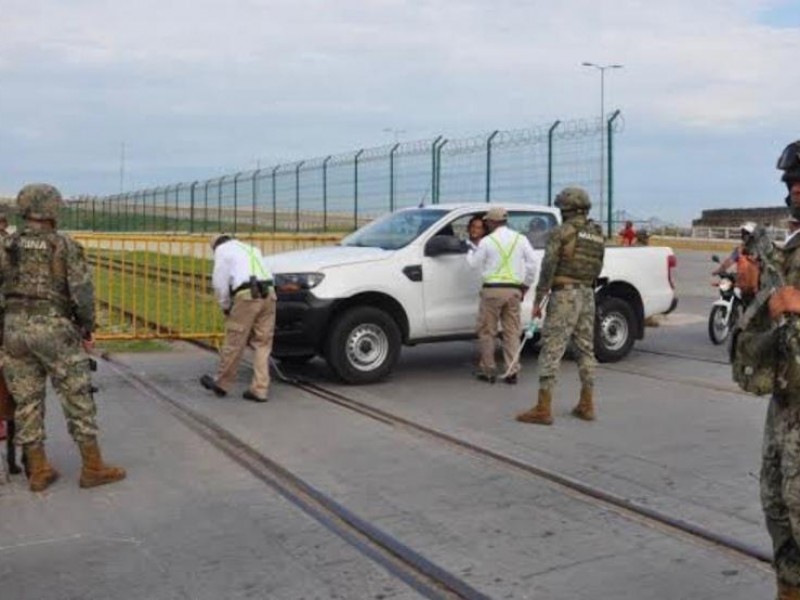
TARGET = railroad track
x,y
404,562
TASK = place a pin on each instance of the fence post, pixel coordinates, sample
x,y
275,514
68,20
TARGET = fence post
x,y
94,201
433,170
274,201
297,196
220,226
550,133
255,195
177,227
436,197
489,164
355,188
325,193
191,206
610,169
205,205
236,201
391,176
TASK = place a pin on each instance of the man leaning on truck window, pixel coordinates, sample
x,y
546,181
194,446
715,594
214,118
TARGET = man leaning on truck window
x,y
508,268
244,290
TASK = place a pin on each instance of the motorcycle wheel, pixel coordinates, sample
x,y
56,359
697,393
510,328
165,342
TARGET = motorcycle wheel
x,y
719,326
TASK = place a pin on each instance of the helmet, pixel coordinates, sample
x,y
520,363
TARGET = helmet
x,y
748,227
573,199
39,201
789,163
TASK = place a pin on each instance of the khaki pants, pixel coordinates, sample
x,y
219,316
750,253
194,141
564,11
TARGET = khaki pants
x,y
499,305
250,321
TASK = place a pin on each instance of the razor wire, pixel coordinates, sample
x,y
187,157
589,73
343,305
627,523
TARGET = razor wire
x,y
340,192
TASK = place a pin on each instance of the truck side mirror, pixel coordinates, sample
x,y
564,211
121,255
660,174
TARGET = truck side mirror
x,y
444,244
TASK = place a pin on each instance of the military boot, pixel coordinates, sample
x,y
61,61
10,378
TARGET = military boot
x,y
788,592
539,414
585,407
95,472
41,474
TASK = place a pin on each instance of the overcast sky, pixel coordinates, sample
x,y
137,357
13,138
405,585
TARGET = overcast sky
x,y
709,91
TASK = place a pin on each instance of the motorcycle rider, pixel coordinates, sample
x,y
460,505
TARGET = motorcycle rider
x,y
746,266
745,231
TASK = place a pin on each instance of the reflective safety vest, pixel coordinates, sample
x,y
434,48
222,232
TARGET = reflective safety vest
x,y
257,267
505,272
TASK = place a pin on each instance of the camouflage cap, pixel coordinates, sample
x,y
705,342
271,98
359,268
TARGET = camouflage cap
x,y
573,198
39,201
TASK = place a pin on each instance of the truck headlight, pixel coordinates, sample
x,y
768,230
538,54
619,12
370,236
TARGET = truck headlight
x,y
289,283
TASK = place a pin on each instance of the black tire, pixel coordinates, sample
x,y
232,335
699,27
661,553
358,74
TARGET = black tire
x,y
718,327
615,325
363,345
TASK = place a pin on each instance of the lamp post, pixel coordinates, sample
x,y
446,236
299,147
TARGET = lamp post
x,y
602,69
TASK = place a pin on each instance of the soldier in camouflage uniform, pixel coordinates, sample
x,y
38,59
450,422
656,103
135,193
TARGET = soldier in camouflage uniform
x,y
780,466
573,260
49,317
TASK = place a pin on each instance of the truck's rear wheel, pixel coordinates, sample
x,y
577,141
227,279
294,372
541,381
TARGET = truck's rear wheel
x,y
614,329
363,345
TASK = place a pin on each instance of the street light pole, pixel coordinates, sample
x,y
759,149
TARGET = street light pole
x,y
602,69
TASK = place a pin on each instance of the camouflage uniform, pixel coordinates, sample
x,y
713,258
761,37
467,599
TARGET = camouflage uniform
x,y
780,460
572,261
49,297
50,305
570,311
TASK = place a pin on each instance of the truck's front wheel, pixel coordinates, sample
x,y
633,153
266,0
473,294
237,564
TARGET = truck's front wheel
x,y
614,329
363,345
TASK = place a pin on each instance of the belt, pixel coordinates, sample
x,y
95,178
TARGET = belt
x,y
243,289
513,286
568,286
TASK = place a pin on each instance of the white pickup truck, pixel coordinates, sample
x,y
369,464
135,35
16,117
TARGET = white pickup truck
x,y
403,279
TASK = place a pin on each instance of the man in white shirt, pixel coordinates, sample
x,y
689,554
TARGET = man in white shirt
x,y
244,290
508,268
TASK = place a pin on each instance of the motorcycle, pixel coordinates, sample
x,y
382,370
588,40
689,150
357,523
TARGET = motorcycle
x,y
727,309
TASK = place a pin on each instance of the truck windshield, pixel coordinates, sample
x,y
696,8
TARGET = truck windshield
x,y
394,230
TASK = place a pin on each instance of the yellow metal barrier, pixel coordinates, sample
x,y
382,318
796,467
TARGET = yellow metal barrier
x,y
159,286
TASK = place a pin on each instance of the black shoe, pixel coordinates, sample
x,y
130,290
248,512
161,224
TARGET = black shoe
x,y
485,377
248,395
208,382
511,379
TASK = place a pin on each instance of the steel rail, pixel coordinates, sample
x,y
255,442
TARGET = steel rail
x,y
406,564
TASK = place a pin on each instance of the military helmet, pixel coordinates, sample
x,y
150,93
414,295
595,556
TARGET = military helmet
x,y
39,201
789,163
573,199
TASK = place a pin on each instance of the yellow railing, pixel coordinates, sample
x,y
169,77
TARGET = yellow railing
x,y
159,286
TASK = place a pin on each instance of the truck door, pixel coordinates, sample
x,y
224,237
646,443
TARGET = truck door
x,y
450,288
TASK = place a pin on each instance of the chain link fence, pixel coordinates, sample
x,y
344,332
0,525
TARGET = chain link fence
x,y
339,193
